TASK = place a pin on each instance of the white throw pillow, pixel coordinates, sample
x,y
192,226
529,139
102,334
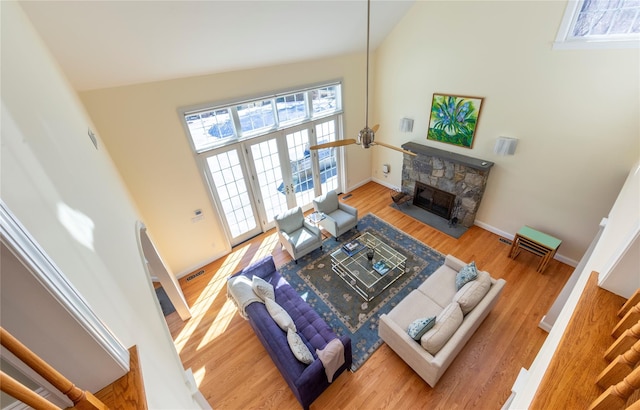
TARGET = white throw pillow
x,y
447,322
279,315
262,288
298,348
472,293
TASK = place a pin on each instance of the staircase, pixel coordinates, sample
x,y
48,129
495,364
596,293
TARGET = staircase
x,y
621,378
125,393
596,363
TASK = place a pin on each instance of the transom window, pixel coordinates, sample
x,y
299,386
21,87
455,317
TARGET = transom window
x,y
213,127
600,23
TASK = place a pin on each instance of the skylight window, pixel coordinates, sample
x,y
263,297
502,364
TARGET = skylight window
x,y
600,24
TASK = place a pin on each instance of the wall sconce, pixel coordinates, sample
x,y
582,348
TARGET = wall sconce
x,y
505,146
406,125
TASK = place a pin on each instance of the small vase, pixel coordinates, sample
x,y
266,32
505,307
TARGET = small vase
x,y
370,254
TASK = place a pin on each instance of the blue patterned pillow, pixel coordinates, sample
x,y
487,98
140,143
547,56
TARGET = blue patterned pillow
x,y
419,327
466,275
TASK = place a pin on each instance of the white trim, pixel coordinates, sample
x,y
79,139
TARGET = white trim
x,y
197,395
45,271
385,183
581,44
566,42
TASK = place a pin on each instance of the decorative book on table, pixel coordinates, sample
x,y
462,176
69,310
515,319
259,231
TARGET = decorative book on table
x,y
352,247
381,267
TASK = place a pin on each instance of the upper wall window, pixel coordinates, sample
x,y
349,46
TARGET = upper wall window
x,y
600,24
212,127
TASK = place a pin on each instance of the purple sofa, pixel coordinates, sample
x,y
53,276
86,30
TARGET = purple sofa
x,y
307,382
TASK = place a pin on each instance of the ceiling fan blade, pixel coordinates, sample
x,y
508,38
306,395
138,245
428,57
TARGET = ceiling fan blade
x,y
396,148
338,143
375,128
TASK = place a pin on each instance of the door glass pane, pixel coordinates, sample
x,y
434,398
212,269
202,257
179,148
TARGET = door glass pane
x,y
301,170
269,174
327,157
228,179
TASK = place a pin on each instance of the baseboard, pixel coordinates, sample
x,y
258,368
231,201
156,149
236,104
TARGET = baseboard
x,y
358,185
493,229
201,264
385,183
544,325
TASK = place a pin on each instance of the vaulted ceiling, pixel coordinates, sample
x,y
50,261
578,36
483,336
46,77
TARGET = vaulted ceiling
x,y
101,44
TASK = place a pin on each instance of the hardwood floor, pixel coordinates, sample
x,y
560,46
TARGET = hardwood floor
x,y
235,372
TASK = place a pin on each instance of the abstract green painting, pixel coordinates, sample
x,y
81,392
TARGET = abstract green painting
x,y
454,119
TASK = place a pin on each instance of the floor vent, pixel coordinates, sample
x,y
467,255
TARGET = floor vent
x,y
346,196
195,275
505,240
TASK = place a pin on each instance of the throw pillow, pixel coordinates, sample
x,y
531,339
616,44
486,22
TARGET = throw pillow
x,y
262,288
332,357
298,348
466,275
279,315
447,322
472,293
419,327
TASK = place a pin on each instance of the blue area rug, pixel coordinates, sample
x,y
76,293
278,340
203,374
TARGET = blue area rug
x,y
340,306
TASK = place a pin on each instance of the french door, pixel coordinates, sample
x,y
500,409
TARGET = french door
x,y
255,180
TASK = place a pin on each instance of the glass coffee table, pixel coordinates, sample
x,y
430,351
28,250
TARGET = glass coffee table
x,y
368,277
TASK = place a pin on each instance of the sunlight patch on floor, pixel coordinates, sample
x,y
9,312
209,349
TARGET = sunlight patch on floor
x,y
208,295
266,247
220,323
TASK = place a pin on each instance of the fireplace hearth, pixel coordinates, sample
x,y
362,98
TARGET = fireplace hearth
x,y
434,200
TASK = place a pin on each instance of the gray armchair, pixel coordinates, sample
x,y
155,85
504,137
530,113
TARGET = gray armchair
x,y
339,217
296,235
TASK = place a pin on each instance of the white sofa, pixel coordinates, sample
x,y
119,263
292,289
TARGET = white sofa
x,y
438,296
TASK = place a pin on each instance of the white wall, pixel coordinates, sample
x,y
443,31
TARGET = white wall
x,y
143,132
621,228
70,197
576,112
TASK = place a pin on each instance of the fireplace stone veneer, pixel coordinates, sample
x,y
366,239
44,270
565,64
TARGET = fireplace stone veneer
x,y
460,175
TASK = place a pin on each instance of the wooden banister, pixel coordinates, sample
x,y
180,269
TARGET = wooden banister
x,y
620,367
18,391
633,300
632,316
623,342
81,399
615,397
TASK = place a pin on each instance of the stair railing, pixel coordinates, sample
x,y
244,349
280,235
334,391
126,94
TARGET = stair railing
x,y
82,400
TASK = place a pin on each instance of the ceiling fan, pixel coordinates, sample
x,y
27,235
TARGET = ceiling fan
x,y
366,136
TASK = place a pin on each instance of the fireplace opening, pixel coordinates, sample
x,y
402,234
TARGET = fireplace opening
x,y
434,200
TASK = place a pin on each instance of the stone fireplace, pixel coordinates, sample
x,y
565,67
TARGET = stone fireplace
x,y
448,184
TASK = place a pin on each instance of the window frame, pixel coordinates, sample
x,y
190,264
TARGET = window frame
x,y
566,41
280,124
